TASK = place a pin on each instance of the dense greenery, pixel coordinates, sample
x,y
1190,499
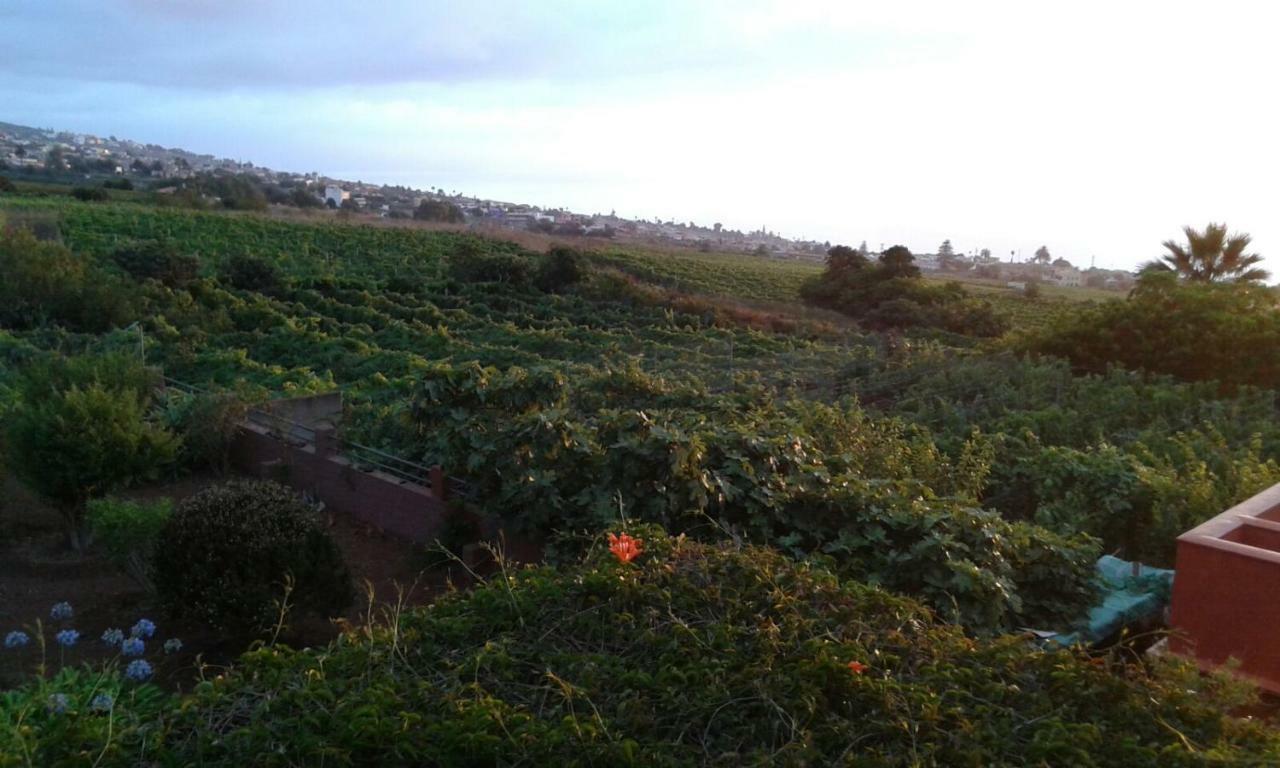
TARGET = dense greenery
x,y
690,655
889,293
81,428
568,389
1213,256
1193,330
128,531
233,555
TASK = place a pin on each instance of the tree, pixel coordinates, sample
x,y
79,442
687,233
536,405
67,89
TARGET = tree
x,y
898,262
439,210
985,254
946,255
842,258
1213,256
1042,255
80,431
1061,263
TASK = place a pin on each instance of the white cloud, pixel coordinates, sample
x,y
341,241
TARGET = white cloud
x,y
1097,129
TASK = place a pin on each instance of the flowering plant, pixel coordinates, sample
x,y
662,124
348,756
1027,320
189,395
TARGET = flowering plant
x,y
625,548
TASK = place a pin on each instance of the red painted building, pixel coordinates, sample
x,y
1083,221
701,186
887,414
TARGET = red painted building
x,y
1226,591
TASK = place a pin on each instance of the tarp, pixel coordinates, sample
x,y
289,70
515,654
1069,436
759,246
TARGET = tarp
x,y
1126,599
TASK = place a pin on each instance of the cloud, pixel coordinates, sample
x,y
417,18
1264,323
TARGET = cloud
x,y
1095,128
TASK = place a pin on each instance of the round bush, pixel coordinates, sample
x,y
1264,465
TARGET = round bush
x,y
225,555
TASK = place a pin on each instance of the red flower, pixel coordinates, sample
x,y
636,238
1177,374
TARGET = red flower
x,y
625,548
857,667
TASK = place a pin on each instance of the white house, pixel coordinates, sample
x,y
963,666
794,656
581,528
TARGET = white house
x,y
335,196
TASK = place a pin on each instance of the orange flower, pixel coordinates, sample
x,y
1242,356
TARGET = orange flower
x,y
857,667
625,548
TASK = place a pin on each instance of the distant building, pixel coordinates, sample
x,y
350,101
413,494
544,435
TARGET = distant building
x,y
335,196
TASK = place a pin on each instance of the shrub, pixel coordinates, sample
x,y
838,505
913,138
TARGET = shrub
x,y
251,273
6,185
471,263
128,531
561,267
154,260
208,423
690,654
227,552
891,294
42,282
1228,333
78,432
90,194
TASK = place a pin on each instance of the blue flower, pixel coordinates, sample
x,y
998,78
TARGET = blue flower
x,y
16,639
67,637
172,645
61,611
113,637
138,670
133,647
101,703
58,703
144,628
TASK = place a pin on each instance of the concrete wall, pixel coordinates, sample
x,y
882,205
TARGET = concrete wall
x,y
415,512
1226,591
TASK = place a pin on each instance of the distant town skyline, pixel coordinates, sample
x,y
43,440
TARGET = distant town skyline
x,y
1095,129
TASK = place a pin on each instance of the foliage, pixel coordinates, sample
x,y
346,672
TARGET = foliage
x,y
207,423
43,282
152,259
81,430
474,263
6,185
1195,332
128,531
690,654
560,268
439,210
807,477
90,194
252,273
1131,459
80,716
1213,256
227,553
891,294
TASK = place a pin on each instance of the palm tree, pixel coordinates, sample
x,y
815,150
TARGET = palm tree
x,y
1211,256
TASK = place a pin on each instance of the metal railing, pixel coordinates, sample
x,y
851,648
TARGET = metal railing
x,y
362,457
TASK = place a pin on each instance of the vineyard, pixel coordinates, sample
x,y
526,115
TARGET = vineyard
x,y
576,392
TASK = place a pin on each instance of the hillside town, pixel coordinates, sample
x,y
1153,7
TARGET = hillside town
x,y
85,158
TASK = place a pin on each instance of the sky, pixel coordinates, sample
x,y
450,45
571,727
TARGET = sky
x,y
1097,129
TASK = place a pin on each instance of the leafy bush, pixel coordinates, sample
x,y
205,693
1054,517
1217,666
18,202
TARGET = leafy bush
x,y
128,531
561,267
250,273
90,194
227,552
207,423
891,294
6,185
42,282
155,260
690,654
81,430
1229,333
473,264
880,499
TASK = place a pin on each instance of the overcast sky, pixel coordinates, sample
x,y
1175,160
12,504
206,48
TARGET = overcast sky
x,y
1098,129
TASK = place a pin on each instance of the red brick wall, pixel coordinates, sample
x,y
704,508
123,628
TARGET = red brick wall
x,y
385,502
